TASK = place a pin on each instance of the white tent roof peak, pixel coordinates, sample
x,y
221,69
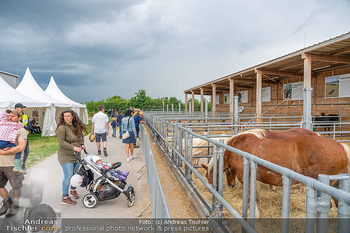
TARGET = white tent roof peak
x,y
9,97
54,91
31,88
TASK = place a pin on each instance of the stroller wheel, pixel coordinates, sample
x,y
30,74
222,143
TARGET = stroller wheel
x,y
90,200
131,198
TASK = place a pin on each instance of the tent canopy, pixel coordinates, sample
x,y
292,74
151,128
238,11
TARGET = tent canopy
x,y
31,88
54,91
9,97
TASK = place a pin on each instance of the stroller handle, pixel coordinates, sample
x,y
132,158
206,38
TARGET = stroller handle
x,y
77,153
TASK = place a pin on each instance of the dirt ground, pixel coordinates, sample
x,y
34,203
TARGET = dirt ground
x,y
178,204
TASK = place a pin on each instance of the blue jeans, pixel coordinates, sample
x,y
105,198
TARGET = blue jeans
x,y
114,131
68,171
120,130
4,144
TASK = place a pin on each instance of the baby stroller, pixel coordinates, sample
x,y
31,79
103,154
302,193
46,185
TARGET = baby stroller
x,y
105,187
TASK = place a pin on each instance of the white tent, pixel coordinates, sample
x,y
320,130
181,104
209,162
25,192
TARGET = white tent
x,y
30,88
9,97
54,91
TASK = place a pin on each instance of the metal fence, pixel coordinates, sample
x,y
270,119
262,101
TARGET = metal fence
x,y
158,202
175,136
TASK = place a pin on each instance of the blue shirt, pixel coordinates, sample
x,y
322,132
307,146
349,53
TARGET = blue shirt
x,y
137,120
114,124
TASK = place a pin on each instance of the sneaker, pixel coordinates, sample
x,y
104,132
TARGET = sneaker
x,y
73,193
128,159
135,146
120,137
67,201
13,209
5,206
132,157
99,152
105,152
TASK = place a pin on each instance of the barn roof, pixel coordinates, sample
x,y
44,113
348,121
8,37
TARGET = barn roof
x,y
328,55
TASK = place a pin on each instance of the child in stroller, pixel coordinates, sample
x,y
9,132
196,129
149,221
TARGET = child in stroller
x,y
115,173
109,184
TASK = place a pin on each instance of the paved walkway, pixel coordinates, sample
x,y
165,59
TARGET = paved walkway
x,y
49,173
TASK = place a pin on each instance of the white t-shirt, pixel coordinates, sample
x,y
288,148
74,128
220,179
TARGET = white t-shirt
x,y
100,119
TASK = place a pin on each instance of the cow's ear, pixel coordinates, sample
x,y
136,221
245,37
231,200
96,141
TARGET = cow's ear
x,y
205,166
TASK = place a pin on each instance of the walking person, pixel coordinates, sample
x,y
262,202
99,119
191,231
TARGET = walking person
x,y
119,122
70,137
100,127
114,127
128,124
20,107
7,159
138,119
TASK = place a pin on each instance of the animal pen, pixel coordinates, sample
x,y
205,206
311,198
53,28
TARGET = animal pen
x,y
175,132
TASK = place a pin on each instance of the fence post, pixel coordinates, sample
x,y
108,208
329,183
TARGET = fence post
x,y
245,190
220,177
311,207
343,208
180,145
189,172
323,207
286,203
179,108
253,167
186,152
215,176
172,140
206,110
172,108
236,120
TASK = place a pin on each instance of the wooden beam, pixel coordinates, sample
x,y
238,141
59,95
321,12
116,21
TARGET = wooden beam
x,y
340,51
277,72
339,59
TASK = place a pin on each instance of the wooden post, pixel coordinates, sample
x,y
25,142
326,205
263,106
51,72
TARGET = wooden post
x,y
307,91
202,93
185,102
192,101
258,94
213,101
232,91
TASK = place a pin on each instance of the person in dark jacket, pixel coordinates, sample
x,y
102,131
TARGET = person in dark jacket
x,y
119,122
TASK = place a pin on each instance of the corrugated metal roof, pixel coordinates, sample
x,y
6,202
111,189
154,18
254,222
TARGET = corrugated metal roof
x,y
290,64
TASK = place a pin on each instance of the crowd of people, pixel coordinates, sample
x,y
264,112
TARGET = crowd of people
x,y
15,127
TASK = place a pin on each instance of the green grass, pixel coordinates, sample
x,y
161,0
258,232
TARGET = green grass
x,y
42,147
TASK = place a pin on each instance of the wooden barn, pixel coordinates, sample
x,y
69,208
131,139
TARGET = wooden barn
x,y
306,82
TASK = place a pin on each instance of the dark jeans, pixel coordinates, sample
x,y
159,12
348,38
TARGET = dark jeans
x,y
4,144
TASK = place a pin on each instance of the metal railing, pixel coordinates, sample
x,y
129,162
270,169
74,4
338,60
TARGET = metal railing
x,y
158,202
170,138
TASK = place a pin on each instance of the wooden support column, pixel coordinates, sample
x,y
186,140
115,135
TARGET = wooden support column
x,y
192,101
213,99
307,91
185,102
258,94
202,93
232,91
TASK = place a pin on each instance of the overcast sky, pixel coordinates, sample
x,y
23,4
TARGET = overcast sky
x,y
97,49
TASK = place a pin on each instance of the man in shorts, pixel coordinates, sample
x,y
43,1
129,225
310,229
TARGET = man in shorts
x,y
7,161
100,127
